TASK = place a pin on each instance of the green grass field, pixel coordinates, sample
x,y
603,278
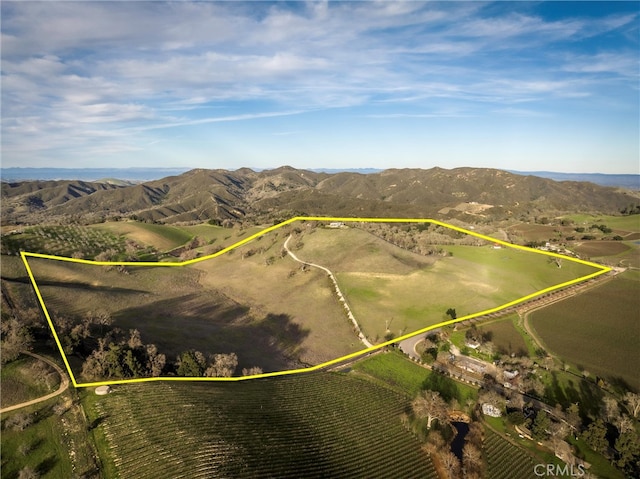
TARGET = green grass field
x,y
395,370
161,237
53,445
630,223
505,337
315,425
597,330
389,287
167,238
17,382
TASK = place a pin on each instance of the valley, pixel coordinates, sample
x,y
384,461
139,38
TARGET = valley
x,y
240,306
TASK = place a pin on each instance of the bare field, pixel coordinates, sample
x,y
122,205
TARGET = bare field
x,y
597,249
598,330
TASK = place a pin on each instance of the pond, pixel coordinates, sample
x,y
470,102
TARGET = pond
x,y
458,442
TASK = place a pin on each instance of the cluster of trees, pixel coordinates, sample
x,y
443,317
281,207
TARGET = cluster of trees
x,y
431,405
110,353
120,358
421,238
195,364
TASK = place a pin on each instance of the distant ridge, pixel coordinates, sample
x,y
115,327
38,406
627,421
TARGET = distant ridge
x,y
88,174
622,181
217,195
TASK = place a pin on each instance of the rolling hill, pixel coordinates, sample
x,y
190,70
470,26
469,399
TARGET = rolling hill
x,y
201,195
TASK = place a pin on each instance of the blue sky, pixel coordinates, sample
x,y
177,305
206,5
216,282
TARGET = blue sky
x,y
513,85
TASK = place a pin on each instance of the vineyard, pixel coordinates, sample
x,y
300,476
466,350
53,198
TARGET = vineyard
x,y
63,241
504,460
314,425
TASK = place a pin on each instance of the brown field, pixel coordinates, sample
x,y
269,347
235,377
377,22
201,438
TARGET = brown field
x,y
274,316
505,337
597,249
536,232
598,330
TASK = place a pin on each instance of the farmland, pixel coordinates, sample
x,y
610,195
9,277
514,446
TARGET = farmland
x,y
504,460
598,330
391,289
62,241
254,300
235,303
316,425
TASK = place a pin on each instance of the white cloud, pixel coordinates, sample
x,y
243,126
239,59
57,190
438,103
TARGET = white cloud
x,y
101,72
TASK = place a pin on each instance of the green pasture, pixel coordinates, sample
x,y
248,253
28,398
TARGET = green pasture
x,y
474,279
630,223
17,382
161,237
393,369
597,330
54,445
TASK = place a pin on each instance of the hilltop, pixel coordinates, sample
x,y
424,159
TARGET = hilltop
x,y
219,195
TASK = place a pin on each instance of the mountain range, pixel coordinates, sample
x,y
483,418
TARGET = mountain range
x,y
202,195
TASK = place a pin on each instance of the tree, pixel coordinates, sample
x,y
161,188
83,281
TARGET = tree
x,y
28,473
14,338
540,426
223,366
430,405
451,463
190,364
452,313
633,403
155,361
19,421
624,423
471,460
610,409
628,447
596,436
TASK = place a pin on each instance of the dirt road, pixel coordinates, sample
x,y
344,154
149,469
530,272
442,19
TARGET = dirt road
x,y
64,385
341,297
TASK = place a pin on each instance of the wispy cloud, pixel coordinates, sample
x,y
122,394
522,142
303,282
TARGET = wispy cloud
x,y
100,73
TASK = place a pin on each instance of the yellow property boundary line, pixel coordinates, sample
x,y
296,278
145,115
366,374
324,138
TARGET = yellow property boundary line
x,y
601,270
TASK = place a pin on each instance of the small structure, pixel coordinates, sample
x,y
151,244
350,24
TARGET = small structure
x,y
336,224
491,410
103,390
511,374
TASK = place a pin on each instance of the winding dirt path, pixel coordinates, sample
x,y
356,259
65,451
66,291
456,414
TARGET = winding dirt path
x,y
64,385
341,297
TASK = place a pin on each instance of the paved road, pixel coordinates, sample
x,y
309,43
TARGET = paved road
x,y
64,385
341,297
408,346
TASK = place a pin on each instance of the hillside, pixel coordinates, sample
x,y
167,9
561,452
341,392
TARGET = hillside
x,y
200,195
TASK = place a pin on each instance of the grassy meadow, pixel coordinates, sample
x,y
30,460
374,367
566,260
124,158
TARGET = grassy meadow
x,y
252,301
18,384
598,330
388,287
